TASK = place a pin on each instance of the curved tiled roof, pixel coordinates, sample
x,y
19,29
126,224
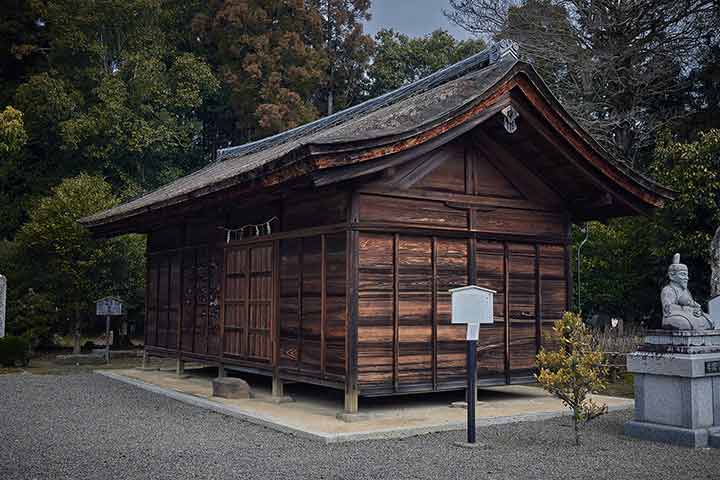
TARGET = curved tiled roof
x,y
401,113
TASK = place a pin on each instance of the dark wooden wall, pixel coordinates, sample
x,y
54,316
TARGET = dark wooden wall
x,y
236,302
313,306
183,293
451,218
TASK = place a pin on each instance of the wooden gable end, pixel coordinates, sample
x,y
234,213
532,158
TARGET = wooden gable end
x,y
469,185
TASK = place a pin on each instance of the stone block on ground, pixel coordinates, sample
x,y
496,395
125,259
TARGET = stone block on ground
x,y
464,405
80,359
229,387
352,417
283,399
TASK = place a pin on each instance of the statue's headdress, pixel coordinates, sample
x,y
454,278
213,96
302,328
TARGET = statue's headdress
x,y
676,266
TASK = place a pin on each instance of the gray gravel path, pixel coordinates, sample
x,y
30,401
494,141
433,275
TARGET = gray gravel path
x,y
88,426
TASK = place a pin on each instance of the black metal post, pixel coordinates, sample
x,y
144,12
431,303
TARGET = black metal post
x,y
107,338
472,389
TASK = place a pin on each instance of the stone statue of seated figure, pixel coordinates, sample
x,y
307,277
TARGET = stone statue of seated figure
x,y
680,310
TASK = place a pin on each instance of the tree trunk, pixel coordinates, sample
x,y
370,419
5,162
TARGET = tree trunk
x,y
330,102
576,427
122,338
76,343
715,264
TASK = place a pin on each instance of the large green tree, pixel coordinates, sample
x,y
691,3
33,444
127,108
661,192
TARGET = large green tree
x,y
400,59
625,261
63,263
269,55
13,138
348,51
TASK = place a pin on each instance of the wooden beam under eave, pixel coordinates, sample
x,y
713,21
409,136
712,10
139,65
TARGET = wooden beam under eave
x,y
597,178
575,149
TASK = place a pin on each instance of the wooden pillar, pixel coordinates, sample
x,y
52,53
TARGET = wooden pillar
x,y
351,398
221,371
180,367
352,300
278,387
144,359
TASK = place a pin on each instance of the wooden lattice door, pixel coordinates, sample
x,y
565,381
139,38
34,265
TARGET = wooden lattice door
x,y
248,302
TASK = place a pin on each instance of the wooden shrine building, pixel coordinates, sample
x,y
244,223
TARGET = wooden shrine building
x,y
324,254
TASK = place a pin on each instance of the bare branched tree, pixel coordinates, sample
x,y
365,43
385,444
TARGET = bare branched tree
x,y
619,66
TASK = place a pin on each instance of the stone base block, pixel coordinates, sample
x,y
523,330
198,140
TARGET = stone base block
x,y
694,438
465,405
283,399
352,417
228,387
714,438
81,359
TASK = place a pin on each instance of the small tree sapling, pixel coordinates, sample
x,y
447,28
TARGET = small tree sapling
x,y
574,370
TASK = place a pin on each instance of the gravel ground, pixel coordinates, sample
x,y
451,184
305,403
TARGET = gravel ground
x,y
88,426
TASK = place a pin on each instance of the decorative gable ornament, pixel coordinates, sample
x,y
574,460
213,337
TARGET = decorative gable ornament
x,y
510,115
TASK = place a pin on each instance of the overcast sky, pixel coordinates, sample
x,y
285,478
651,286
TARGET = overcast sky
x,y
412,17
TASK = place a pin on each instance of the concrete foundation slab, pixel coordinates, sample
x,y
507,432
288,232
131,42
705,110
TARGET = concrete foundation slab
x,y
313,414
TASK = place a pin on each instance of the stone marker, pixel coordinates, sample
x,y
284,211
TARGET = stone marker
x,y
3,296
229,387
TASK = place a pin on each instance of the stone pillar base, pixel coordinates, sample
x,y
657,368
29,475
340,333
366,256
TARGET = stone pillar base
x,y
677,388
687,437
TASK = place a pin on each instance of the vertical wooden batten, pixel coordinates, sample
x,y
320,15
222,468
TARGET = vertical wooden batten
x,y
506,270
568,267
323,301
434,315
538,301
396,311
277,385
301,252
147,303
472,274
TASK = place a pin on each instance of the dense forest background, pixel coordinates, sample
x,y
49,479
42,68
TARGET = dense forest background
x,y
102,100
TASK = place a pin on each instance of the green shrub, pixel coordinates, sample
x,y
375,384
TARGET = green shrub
x,y
14,350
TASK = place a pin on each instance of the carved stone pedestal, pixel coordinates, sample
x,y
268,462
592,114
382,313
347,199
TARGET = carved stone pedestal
x,y
677,388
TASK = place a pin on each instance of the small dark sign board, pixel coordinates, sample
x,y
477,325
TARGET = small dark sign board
x,y
712,367
109,306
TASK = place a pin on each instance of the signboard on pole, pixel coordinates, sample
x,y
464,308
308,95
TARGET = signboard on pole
x,y
109,306
473,306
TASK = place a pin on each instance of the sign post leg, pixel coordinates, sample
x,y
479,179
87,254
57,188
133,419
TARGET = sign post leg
x,y
472,389
107,339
